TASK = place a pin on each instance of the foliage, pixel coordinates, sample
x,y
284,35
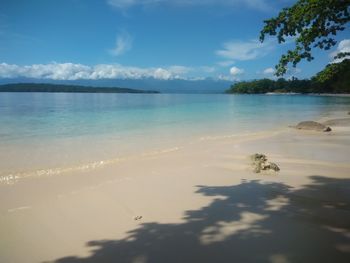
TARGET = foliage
x,y
262,86
335,78
313,23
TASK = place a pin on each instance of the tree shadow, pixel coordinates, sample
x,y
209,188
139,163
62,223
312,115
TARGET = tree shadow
x,y
249,222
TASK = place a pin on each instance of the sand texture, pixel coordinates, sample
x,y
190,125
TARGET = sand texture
x,y
196,202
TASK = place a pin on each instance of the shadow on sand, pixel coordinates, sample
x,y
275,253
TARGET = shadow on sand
x,y
249,222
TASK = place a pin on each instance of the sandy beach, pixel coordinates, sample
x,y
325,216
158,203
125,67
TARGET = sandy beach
x,y
196,202
175,131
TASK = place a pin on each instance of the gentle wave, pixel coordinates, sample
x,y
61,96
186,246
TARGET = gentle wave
x,y
13,178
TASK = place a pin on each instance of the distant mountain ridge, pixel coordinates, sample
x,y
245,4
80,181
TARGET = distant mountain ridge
x,y
47,87
207,85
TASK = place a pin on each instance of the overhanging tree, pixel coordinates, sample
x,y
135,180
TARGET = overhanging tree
x,y
313,23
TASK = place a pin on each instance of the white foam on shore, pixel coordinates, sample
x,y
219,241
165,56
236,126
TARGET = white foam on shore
x,y
13,178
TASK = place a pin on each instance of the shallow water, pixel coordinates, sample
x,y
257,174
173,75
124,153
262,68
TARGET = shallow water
x,y
42,131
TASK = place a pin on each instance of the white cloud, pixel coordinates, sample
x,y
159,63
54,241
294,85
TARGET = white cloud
x,y
70,71
225,63
52,71
343,46
122,45
161,73
239,50
262,5
207,69
227,78
234,74
234,71
180,69
269,71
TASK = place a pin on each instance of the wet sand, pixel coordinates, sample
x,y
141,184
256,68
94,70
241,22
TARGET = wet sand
x,y
197,202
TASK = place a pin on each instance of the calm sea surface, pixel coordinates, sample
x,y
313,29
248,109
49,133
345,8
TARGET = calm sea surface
x,y
52,130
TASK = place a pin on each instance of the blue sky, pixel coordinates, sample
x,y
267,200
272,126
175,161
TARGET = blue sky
x,y
79,39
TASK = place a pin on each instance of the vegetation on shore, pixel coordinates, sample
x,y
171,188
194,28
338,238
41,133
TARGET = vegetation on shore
x,y
312,23
45,87
333,79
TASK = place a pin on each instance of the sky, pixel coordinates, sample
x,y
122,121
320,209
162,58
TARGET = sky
x,y
163,39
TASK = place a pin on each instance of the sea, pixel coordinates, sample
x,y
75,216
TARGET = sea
x,y
51,133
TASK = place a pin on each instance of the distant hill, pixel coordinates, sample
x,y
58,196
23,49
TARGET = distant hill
x,y
334,78
47,87
208,85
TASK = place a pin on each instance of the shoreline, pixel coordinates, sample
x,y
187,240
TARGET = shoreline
x,y
11,177
198,203
16,176
331,94
310,94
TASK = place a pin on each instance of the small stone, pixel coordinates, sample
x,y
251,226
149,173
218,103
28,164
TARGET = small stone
x,y
327,129
258,160
260,163
274,167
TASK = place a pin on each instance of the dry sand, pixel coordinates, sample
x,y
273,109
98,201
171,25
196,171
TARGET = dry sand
x,y
198,202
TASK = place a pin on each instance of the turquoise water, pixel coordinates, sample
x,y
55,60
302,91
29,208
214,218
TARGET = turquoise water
x,y
41,130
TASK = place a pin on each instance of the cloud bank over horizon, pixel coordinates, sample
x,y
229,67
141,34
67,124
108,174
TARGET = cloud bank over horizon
x,y
71,71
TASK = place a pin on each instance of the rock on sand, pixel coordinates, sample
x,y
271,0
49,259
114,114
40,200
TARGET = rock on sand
x,y
260,163
312,126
